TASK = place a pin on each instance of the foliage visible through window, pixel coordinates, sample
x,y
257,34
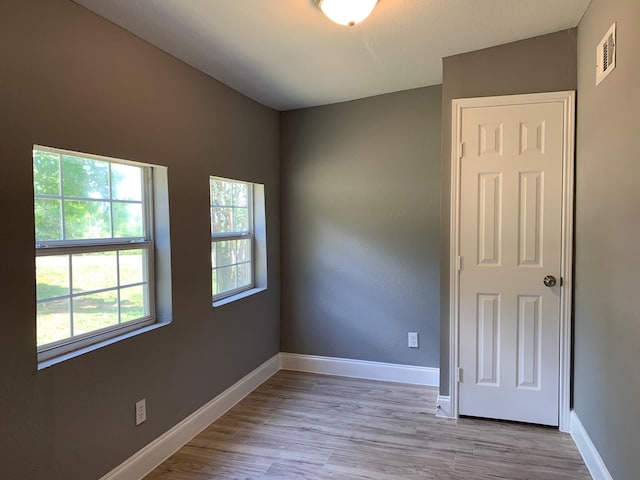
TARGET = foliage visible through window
x,y
93,247
232,237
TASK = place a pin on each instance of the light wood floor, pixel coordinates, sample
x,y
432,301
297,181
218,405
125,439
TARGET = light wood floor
x,y
306,426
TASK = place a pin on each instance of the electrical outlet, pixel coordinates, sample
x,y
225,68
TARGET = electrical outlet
x,y
413,339
141,412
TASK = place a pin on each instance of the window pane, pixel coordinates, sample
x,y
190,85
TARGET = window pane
x,y
85,178
226,279
222,220
94,271
94,311
225,253
46,173
126,182
241,220
52,276
243,252
127,220
132,266
48,219
217,192
214,281
228,193
53,322
244,275
241,194
132,303
86,220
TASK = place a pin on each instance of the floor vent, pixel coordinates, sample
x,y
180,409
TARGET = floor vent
x,y
606,55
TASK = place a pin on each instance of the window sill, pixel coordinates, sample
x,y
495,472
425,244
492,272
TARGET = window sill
x,y
238,296
90,348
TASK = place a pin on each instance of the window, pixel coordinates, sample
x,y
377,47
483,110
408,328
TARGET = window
x,y
232,237
94,238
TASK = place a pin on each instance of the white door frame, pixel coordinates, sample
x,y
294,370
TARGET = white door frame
x,y
567,98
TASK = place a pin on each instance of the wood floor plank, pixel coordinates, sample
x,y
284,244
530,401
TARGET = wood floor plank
x,y
319,427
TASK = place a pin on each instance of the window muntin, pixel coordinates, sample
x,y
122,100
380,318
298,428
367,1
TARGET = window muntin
x,y
232,237
94,249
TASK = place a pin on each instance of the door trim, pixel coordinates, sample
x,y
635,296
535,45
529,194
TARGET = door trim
x,y
567,98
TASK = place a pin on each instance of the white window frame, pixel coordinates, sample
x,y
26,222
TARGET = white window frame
x,y
229,236
62,347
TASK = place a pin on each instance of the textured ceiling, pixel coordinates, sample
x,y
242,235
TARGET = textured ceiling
x,y
286,54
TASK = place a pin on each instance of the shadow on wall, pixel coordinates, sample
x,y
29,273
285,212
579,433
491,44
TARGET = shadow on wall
x,y
362,235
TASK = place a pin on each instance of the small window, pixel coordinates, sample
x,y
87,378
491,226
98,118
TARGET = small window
x,y
94,249
232,237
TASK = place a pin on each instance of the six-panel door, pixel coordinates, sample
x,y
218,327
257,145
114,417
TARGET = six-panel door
x,y
510,239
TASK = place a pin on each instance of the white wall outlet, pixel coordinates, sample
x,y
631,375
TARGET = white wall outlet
x,y
141,411
413,339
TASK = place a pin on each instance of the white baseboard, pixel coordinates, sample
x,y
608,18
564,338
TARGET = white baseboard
x,y
588,450
145,460
156,452
344,367
152,455
443,406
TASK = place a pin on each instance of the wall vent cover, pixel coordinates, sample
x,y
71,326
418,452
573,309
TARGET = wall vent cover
x,y
606,55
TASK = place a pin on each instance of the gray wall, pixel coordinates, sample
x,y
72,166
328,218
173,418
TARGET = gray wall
x,y
607,322
360,208
70,79
541,64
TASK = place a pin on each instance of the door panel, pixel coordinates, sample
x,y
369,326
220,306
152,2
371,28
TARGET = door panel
x,y
487,348
530,218
489,218
510,238
529,325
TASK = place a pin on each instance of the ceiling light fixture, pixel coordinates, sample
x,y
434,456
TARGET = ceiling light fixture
x,y
346,12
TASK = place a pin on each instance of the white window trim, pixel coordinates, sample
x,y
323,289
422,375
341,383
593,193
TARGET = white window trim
x,y
258,247
55,352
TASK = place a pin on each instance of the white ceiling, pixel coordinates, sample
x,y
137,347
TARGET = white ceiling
x,y
286,54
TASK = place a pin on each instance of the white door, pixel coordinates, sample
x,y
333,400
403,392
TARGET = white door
x,y
510,240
